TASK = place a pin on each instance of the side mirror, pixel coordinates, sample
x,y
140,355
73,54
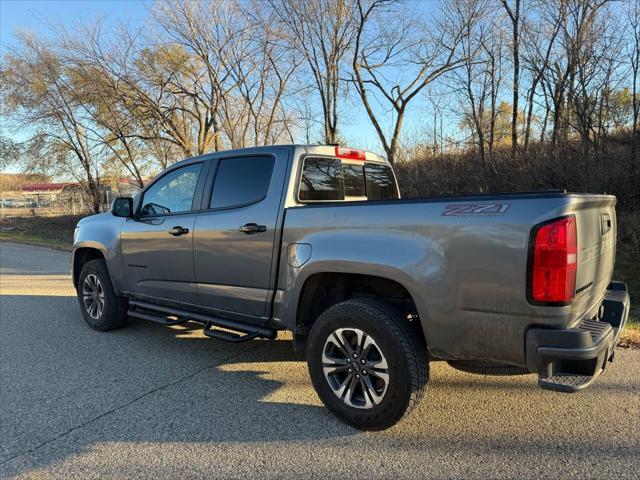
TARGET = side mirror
x,y
122,207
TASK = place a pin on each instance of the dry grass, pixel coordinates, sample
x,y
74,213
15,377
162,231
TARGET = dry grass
x,y
628,270
54,232
630,336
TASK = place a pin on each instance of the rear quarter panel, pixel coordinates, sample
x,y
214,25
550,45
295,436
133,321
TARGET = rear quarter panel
x,y
466,271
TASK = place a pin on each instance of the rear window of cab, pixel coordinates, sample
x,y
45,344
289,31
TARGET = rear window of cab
x,y
331,179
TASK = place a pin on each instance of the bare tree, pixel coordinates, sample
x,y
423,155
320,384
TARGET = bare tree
x,y
238,72
555,78
514,15
578,21
634,55
479,80
111,125
261,69
382,44
149,83
10,152
322,32
475,84
540,43
597,61
38,88
200,33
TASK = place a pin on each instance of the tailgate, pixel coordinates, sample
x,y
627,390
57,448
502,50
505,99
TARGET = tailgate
x,y
596,234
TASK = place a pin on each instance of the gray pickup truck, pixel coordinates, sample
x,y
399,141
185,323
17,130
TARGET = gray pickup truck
x,y
316,240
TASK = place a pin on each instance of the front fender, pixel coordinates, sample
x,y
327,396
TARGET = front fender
x,y
102,233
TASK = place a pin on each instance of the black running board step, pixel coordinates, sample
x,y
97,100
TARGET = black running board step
x,y
162,320
250,331
566,383
211,331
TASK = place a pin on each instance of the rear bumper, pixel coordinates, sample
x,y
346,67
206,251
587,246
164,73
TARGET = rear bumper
x,y
571,359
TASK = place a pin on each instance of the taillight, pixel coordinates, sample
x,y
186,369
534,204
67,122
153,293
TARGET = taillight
x,y
350,153
555,257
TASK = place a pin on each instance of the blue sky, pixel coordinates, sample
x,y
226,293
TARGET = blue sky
x,y
33,15
36,14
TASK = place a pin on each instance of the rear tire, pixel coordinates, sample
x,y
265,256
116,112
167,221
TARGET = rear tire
x,y
367,334
101,308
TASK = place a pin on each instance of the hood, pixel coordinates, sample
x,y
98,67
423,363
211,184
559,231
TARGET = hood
x,y
98,217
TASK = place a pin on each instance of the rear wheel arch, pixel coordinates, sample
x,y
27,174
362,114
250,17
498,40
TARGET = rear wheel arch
x,y
321,291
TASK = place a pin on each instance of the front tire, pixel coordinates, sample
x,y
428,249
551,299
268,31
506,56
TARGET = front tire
x,y
368,363
101,308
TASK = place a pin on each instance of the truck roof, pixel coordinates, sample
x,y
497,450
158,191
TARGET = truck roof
x,y
328,150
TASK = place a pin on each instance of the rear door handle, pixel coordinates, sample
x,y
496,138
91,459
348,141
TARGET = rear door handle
x,y
177,231
251,228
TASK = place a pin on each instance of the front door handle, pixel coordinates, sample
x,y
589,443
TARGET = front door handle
x,y
251,228
177,231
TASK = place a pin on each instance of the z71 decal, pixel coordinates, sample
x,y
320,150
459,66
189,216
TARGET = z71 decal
x,y
492,209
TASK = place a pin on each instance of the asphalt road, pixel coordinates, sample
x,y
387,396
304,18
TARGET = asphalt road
x,y
156,402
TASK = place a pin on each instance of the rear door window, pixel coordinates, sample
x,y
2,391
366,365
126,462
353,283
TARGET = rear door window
x,y
241,181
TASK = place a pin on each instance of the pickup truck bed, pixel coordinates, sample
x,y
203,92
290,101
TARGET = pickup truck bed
x,y
323,246
466,272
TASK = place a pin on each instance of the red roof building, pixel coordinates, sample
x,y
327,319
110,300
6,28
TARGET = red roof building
x,y
45,187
